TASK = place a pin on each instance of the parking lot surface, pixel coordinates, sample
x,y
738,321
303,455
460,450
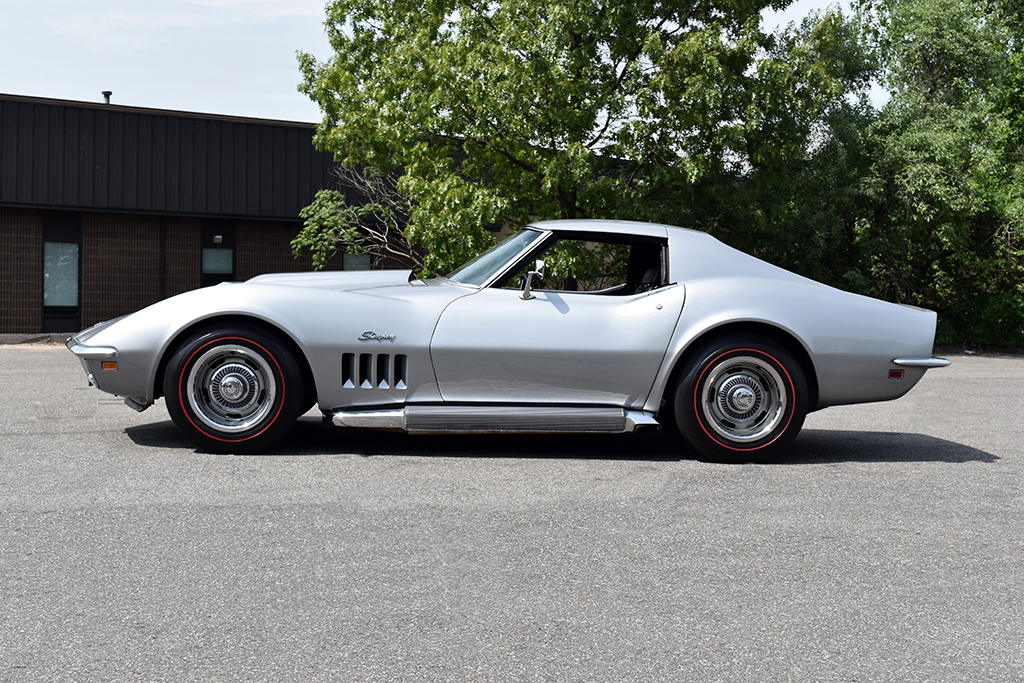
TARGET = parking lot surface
x,y
887,546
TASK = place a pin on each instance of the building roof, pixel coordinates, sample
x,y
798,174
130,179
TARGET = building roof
x,y
61,154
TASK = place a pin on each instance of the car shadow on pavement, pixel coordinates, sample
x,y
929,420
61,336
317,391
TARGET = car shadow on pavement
x,y
312,437
815,446
157,435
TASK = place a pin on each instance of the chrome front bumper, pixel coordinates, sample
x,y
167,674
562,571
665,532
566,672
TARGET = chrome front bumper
x,y
91,352
925,363
100,353
88,353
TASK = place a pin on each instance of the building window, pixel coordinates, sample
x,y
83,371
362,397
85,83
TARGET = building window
x,y
218,261
356,262
60,274
218,254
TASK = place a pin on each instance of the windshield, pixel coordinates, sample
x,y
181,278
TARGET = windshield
x,y
491,262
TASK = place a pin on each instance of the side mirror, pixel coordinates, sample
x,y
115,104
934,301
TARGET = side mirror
x,y
538,271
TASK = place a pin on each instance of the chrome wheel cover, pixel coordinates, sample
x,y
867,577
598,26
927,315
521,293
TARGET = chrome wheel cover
x,y
231,388
744,399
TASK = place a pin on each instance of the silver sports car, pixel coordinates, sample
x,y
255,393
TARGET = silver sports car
x,y
565,326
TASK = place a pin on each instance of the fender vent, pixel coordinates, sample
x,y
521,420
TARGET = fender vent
x,y
374,371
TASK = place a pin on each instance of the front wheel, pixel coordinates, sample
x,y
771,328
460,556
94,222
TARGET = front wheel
x,y
233,390
741,400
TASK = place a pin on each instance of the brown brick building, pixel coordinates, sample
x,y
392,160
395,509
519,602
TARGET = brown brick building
x,y
105,209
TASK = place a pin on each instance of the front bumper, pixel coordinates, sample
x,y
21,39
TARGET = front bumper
x,y
93,359
90,353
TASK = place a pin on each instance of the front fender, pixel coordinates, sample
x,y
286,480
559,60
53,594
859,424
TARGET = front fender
x,y
323,324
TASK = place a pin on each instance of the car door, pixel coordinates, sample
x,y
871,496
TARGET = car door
x,y
558,347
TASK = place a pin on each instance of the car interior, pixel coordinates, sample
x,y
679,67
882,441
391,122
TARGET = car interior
x,y
593,266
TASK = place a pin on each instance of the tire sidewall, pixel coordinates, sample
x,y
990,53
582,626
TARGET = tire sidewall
x,y
279,419
693,423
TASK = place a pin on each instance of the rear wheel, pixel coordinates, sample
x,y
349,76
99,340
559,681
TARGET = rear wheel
x,y
741,400
233,390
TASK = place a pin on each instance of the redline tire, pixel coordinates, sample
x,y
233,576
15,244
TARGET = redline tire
x,y
741,400
233,390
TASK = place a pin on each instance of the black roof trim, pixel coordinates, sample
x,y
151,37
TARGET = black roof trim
x,y
152,111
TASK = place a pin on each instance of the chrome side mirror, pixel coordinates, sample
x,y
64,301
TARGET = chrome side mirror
x,y
538,270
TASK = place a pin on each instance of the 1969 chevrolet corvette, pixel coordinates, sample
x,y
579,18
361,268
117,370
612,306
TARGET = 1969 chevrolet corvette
x,y
658,326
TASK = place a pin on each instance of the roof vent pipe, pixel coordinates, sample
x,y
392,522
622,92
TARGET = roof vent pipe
x,y
106,96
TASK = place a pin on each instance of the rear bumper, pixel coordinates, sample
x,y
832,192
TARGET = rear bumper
x,y
925,363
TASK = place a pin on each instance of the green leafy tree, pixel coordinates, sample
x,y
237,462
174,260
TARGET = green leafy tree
x,y
945,189
375,226
800,209
1011,12
514,110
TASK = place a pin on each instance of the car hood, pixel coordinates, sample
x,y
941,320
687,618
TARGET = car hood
x,y
338,281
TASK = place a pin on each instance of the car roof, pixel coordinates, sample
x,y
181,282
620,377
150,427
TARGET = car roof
x,y
608,226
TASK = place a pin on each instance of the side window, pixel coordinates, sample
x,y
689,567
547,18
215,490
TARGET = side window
x,y
598,267
577,266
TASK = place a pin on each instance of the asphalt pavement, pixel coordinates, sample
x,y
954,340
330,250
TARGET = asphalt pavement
x,y
887,546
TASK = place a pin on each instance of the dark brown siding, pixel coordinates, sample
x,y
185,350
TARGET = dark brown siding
x,y
182,255
265,247
120,265
21,274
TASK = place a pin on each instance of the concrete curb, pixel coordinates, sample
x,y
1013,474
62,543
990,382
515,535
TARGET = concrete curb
x,y
37,338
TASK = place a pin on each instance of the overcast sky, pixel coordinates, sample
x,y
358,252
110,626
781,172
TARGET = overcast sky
x,y
233,57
